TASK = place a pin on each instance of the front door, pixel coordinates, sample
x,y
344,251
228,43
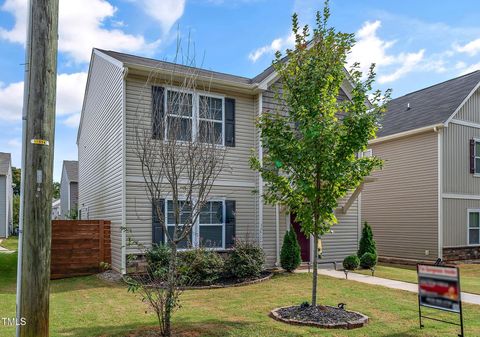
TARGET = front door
x,y
303,241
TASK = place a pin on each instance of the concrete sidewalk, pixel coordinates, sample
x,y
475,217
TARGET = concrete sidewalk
x,y
393,284
5,250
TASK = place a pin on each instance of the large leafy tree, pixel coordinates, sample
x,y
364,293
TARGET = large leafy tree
x,y
311,147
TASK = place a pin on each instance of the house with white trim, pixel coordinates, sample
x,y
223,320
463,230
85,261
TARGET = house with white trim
x,y
69,189
425,202
6,195
120,96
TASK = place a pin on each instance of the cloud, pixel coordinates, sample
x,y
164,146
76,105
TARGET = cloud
x,y
166,12
70,90
277,44
84,25
472,48
465,69
73,120
370,48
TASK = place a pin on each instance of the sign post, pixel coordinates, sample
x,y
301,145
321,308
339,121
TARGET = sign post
x,y
439,288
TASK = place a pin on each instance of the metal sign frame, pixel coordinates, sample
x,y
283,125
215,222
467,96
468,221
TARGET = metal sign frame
x,y
420,304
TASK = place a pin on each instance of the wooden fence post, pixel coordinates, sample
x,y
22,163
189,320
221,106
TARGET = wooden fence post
x,y
101,242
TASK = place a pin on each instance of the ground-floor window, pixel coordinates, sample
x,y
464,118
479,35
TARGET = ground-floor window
x,y
473,227
208,230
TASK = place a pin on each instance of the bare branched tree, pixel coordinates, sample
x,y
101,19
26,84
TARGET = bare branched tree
x,y
181,154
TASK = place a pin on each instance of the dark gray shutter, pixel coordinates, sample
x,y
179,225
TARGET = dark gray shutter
x,y
472,155
229,122
158,236
158,112
230,222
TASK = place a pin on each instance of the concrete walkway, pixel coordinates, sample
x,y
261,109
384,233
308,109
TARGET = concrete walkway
x,y
393,284
5,250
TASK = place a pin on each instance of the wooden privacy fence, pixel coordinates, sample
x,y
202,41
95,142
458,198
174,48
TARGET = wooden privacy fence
x,y
79,247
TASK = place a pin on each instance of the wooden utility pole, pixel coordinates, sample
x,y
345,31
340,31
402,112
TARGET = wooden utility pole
x,y
40,130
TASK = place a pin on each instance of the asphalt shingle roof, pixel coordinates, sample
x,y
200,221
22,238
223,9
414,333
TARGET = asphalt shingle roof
x,y
71,167
428,106
5,162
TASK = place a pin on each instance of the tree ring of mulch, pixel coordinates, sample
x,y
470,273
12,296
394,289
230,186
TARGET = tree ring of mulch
x,y
320,316
264,276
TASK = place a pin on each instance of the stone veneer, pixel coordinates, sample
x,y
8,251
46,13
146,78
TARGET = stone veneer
x,y
461,253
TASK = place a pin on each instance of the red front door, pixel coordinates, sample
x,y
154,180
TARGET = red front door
x,y
303,241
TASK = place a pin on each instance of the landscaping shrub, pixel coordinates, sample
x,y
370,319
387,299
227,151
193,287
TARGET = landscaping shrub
x,y
157,259
245,261
200,266
368,260
351,262
290,257
367,243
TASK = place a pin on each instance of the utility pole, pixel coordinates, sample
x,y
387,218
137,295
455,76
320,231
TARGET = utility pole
x,y
37,181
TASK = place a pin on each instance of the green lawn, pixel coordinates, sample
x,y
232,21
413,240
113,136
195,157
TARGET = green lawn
x,y
11,243
88,307
469,275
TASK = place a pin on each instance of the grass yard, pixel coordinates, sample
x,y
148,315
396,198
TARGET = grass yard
x,y
11,243
469,275
89,307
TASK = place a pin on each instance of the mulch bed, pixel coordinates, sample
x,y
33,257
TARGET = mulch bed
x,y
222,283
320,316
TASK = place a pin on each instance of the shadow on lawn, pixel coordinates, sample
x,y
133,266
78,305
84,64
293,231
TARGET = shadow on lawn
x,y
211,328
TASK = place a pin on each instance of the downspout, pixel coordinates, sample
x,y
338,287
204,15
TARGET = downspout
x,y
26,82
277,234
124,174
260,179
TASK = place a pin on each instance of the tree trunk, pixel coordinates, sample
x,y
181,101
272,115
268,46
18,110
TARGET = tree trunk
x,y
315,269
171,288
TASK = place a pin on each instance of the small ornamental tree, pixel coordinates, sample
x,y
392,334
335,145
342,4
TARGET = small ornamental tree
x,y
311,145
367,243
290,257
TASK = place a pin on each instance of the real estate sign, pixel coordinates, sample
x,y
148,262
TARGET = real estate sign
x,y
439,287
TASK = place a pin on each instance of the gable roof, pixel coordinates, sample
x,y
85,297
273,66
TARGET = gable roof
x,y
429,106
5,162
71,168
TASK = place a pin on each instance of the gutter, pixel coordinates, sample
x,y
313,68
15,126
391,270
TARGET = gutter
x,y
434,127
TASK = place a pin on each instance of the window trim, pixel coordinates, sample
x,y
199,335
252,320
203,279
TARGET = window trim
x,y
477,142
195,111
472,210
196,226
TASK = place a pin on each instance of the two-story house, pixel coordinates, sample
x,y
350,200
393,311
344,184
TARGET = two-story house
x,y
6,195
119,96
69,189
425,202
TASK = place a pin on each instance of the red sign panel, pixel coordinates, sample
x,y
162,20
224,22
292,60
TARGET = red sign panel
x,y
439,287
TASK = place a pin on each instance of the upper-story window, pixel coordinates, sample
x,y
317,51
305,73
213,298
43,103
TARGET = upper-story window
x,y
179,109
211,119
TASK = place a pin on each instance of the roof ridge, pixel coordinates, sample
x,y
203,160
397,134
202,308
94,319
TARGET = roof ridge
x,y
437,84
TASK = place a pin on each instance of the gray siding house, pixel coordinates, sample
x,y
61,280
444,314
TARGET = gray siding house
x,y
425,202
69,188
6,195
118,98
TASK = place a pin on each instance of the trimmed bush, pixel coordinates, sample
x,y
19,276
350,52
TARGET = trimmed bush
x,y
351,262
200,266
368,260
290,257
245,261
158,258
367,243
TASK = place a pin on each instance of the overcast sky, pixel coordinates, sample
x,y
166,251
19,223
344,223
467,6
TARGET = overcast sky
x,y
414,44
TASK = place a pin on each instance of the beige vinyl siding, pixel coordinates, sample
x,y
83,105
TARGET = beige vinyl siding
x,y
269,232
470,110
74,195
139,212
3,207
344,239
455,221
100,150
402,205
64,194
457,178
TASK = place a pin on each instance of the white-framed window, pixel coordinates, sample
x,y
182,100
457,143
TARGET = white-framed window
x,y
209,229
473,234
477,157
194,115
366,153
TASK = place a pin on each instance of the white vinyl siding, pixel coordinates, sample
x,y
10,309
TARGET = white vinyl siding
x,y
3,207
101,151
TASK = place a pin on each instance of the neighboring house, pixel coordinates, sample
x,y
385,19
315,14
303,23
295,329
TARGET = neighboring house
x,y
112,187
56,209
69,188
425,202
6,195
